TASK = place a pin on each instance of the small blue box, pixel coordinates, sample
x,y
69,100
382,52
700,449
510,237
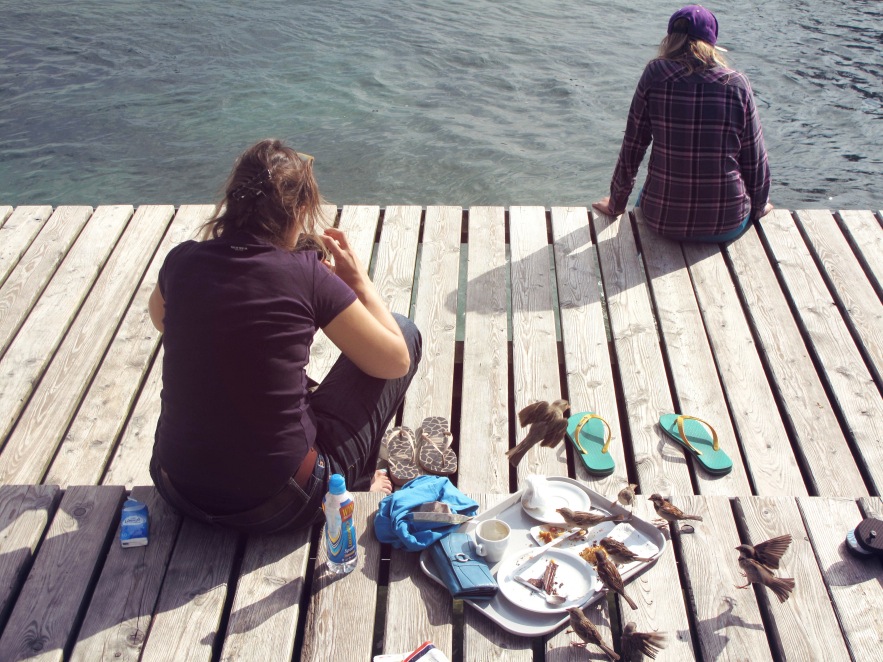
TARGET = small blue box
x,y
134,524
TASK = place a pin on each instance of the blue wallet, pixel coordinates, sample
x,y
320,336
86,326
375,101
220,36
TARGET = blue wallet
x,y
461,569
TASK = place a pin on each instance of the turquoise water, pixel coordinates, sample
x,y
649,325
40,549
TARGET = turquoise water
x,y
455,102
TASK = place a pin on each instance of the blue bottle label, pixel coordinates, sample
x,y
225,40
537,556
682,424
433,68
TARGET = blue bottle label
x,y
340,533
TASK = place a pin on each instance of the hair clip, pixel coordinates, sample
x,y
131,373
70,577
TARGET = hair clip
x,y
251,188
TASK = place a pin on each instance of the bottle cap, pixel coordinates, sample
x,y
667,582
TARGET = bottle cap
x,y
336,484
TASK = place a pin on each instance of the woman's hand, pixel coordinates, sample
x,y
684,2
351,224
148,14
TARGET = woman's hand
x,y
603,206
767,208
347,265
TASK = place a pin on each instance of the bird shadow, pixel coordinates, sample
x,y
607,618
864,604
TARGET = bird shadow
x,y
713,640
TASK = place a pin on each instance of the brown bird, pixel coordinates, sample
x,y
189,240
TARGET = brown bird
x,y
757,573
626,495
586,520
547,427
620,553
610,577
668,512
586,630
768,552
635,645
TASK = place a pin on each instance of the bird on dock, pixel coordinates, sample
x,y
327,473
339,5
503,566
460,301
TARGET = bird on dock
x,y
547,427
610,577
586,630
626,495
617,551
635,645
759,561
669,512
586,520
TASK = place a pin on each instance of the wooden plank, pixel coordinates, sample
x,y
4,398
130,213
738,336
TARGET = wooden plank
x,y
193,594
484,411
266,606
806,623
24,513
536,375
360,225
866,238
851,385
17,233
854,585
831,467
727,620
349,600
85,449
5,211
855,293
590,385
121,609
435,314
697,387
41,625
31,351
393,273
482,638
768,454
23,286
53,404
660,466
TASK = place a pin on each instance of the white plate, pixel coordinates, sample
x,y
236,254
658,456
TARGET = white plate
x,y
574,578
558,494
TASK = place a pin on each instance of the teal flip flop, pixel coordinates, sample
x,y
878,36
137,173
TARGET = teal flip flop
x,y
586,431
693,434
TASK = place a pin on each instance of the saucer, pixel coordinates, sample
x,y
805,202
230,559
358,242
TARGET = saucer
x,y
558,494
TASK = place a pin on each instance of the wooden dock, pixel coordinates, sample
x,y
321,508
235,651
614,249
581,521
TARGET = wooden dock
x,y
774,338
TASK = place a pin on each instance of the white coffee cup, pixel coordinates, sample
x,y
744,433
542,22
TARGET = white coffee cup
x,y
491,539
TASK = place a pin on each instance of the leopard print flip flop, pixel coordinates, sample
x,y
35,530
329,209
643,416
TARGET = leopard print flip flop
x,y
399,442
434,452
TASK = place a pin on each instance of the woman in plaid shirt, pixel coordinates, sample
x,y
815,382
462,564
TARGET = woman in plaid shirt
x,y
708,175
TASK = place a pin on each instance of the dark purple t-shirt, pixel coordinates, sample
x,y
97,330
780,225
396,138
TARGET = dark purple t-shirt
x,y
240,316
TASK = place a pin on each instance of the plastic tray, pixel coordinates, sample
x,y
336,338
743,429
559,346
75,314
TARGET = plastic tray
x,y
506,614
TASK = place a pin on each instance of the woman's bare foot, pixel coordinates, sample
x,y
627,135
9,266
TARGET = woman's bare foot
x,y
381,482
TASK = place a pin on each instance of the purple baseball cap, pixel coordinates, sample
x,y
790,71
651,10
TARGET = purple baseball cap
x,y
701,23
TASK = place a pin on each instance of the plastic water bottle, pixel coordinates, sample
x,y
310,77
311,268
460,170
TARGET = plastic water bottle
x,y
340,531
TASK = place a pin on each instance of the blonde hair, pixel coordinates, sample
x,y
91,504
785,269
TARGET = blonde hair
x,y
696,54
271,194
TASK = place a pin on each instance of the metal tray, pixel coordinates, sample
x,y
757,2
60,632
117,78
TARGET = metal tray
x,y
506,614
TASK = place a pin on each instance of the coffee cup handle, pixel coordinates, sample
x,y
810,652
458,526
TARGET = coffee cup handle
x,y
480,549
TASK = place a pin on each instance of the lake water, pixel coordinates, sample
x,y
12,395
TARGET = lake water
x,y
455,102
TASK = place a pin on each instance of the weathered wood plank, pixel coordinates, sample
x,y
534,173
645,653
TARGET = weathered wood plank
x,y
17,233
832,469
122,605
590,385
53,404
852,386
263,620
393,273
536,375
806,623
866,237
85,449
698,389
768,454
24,513
854,585
484,409
5,211
31,351
349,600
185,624
727,620
854,291
23,286
41,625
660,466
432,391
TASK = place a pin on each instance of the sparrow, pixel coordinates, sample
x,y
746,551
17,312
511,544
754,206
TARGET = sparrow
x,y
626,495
610,577
586,520
669,512
586,630
547,427
769,552
620,553
757,573
635,645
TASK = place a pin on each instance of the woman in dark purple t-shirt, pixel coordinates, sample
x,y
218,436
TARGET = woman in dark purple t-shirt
x,y
242,441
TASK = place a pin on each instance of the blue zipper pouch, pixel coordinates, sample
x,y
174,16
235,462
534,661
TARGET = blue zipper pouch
x,y
464,573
